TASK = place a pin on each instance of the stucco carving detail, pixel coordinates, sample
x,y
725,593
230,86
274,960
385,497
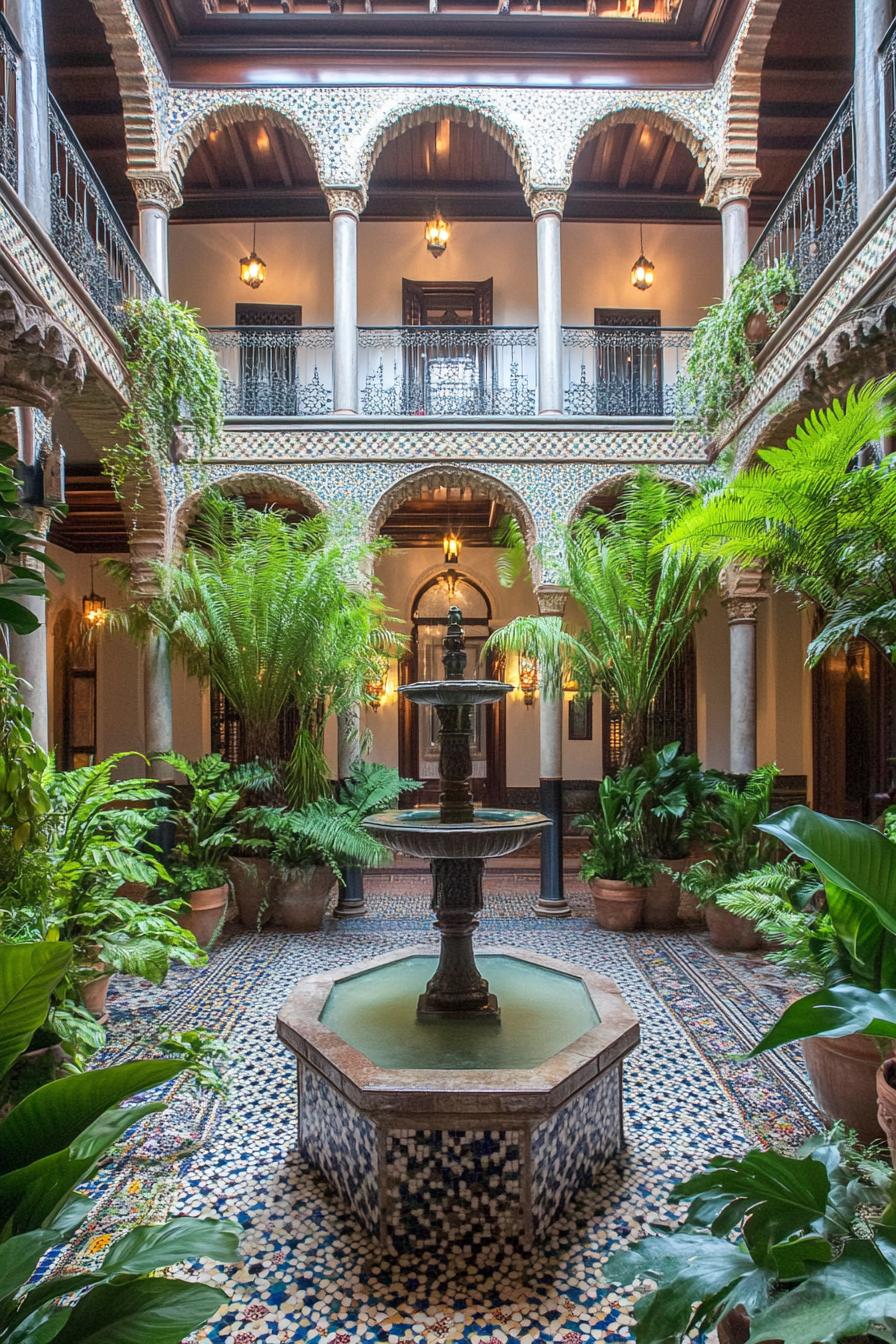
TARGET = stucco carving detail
x,y
40,362
265,483
547,203
156,189
551,599
726,189
742,591
739,85
141,81
345,202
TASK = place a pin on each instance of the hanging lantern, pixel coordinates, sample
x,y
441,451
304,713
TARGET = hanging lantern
x,y
93,607
528,678
451,547
643,271
436,231
252,268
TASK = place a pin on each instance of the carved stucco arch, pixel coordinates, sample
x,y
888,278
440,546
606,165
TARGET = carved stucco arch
x,y
676,125
741,78
268,484
611,482
454,106
140,83
229,112
409,487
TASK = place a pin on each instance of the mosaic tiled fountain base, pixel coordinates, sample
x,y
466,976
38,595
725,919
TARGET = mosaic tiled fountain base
x,y
484,1156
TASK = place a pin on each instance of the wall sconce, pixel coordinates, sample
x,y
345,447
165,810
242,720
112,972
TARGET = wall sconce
x,y
93,607
643,271
252,268
375,687
528,673
436,231
451,547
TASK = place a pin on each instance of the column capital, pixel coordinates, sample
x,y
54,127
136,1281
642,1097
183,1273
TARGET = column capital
x,y
345,201
723,190
742,591
158,189
547,201
551,598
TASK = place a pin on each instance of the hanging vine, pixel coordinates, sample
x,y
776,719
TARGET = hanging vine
x,y
173,379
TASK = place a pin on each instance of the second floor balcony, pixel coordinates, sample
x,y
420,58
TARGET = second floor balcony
x,y
609,372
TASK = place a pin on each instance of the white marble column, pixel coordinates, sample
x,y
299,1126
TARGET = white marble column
x,y
345,211
157,195
552,900
742,592
734,206
872,21
28,653
32,111
547,211
158,718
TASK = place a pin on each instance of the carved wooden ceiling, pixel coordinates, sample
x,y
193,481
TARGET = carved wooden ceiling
x,y
629,172
439,510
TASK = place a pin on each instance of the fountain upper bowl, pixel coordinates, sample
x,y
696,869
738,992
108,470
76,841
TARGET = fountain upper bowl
x,y
455,692
493,831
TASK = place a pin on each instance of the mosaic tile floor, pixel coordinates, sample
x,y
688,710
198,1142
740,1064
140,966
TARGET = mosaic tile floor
x,y
309,1272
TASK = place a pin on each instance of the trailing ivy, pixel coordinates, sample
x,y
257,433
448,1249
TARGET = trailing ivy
x,y
721,365
173,378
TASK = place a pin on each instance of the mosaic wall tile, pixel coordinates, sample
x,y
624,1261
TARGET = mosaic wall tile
x,y
569,1150
340,1142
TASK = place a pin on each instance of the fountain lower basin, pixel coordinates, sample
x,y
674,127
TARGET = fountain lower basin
x,y
470,1156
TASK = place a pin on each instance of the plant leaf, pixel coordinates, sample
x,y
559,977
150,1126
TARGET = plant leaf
x,y
147,1311
28,974
145,1249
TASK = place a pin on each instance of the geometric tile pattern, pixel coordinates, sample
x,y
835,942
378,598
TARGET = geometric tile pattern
x,y
569,1149
311,1271
340,1142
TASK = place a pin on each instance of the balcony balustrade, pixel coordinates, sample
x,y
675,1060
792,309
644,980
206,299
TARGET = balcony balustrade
x,y
624,371
448,370
9,134
275,371
888,73
87,229
819,211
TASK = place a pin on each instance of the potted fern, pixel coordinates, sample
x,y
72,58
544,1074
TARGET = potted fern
x,y
615,865
721,363
205,815
730,818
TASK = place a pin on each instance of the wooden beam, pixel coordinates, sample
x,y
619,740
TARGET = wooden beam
x,y
664,164
280,156
235,141
204,154
628,160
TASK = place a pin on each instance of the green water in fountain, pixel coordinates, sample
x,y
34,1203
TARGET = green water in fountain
x,y
542,1011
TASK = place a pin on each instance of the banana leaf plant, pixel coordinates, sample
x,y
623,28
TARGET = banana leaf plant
x,y
51,1144
857,867
815,1258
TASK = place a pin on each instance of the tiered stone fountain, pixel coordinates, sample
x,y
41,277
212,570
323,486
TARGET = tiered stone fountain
x,y
447,1115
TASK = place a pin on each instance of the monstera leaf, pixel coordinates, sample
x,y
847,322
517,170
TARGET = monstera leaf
x,y
854,1295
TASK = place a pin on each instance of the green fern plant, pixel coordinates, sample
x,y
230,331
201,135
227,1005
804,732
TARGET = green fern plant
x,y
640,602
781,900
559,654
823,525
728,819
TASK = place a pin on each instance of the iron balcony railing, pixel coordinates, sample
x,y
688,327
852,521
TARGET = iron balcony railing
x,y
819,211
448,370
9,131
275,371
624,371
888,75
87,229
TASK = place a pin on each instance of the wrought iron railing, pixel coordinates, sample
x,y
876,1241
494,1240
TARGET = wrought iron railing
x,y
888,75
9,131
819,211
448,370
275,371
625,370
87,228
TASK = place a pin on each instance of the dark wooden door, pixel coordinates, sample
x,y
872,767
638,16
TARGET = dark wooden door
x,y
629,372
854,730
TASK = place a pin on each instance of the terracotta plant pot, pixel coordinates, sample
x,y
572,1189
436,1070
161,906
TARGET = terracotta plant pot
x,y
843,1071
886,1104
617,905
206,913
93,996
690,911
734,1328
251,881
728,932
299,901
661,901
757,327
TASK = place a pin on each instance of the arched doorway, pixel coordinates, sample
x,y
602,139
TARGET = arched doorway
x,y
418,740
